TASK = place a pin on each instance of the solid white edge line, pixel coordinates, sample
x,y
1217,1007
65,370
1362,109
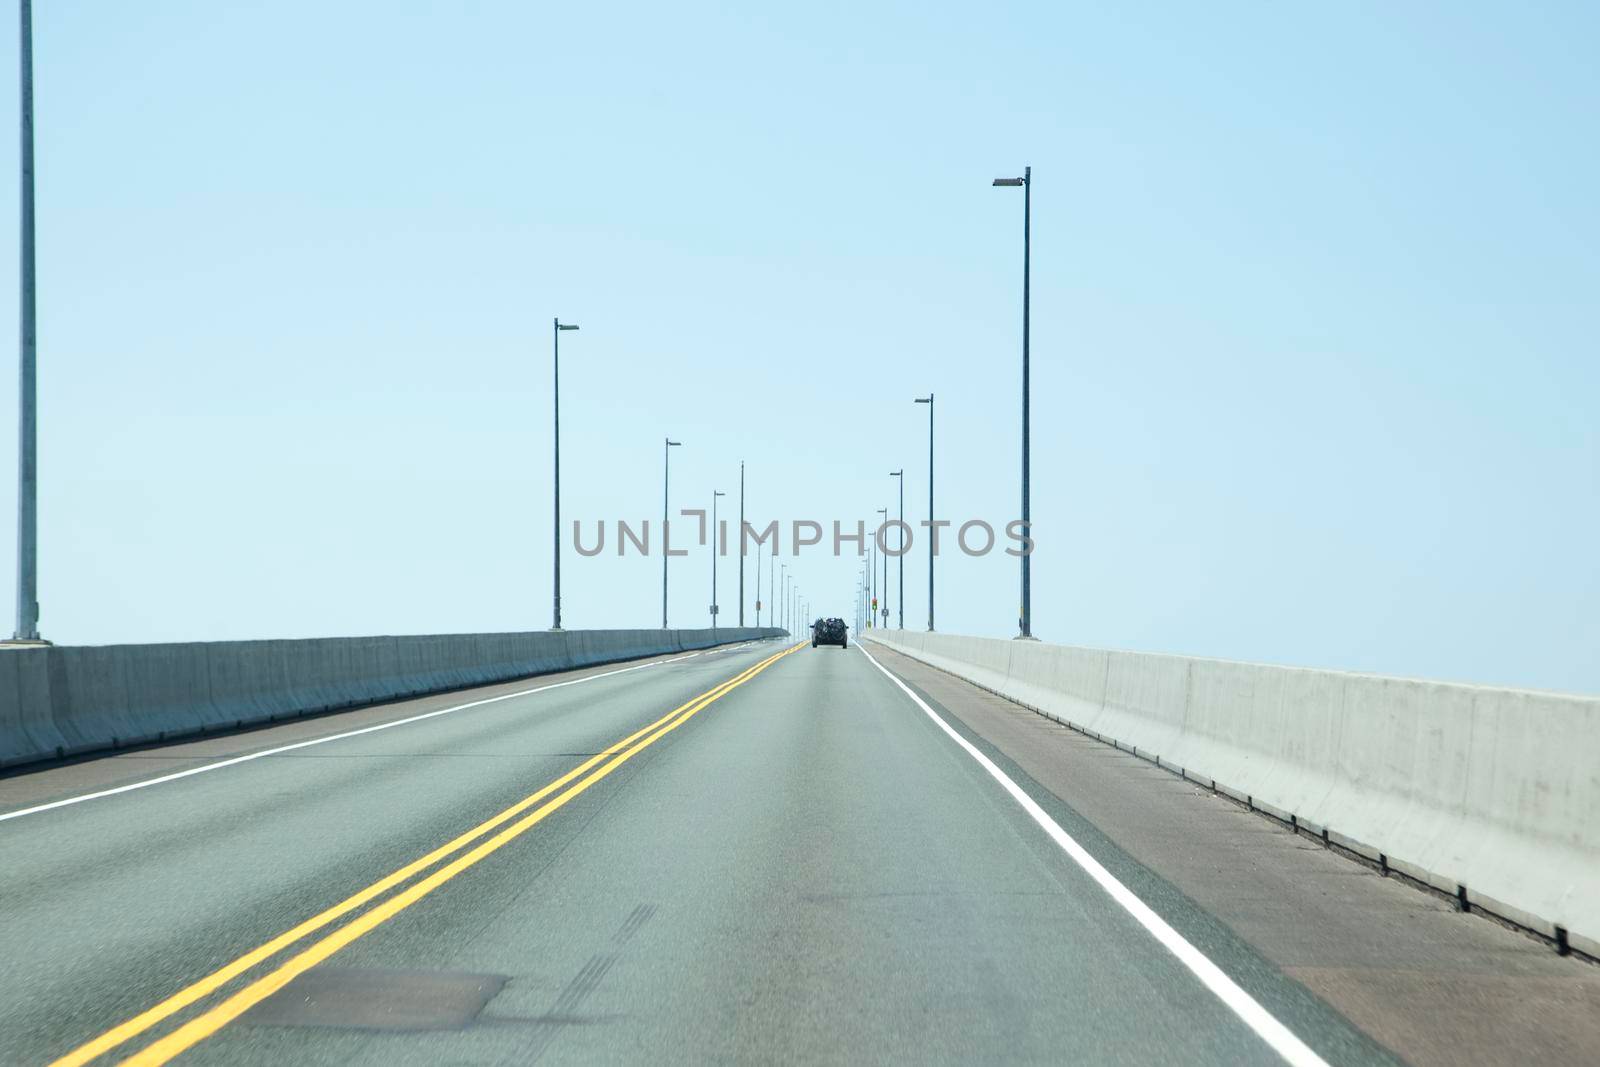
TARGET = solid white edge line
x,y
1278,1037
217,766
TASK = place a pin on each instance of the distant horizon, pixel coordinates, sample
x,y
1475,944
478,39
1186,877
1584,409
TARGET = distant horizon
x,y
806,624
1313,318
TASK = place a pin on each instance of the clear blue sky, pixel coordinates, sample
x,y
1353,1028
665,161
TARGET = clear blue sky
x,y
1315,313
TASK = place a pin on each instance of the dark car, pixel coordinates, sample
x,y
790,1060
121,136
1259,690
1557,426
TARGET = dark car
x,y
829,632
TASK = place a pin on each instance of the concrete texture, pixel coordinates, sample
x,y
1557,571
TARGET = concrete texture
x,y
1493,790
1438,987
808,871
58,701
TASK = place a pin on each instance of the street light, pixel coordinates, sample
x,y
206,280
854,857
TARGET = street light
x,y
901,559
27,363
741,547
872,583
1025,623
715,493
866,605
666,481
883,589
556,337
928,400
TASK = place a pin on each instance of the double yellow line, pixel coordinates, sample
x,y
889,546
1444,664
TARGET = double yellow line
x,y
566,787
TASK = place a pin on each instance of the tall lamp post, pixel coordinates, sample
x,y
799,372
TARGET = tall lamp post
x,y
27,361
872,584
900,560
555,623
715,493
883,586
1025,623
779,618
928,400
666,482
866,594
741,546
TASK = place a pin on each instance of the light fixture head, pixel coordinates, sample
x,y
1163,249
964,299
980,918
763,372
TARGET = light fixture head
x,y
1010,182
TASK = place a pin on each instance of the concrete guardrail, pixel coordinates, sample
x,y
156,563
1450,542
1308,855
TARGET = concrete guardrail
x,y
1491,795
58,701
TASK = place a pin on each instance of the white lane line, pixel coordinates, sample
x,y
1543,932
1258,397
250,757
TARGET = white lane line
x,y
331,737
1278,1037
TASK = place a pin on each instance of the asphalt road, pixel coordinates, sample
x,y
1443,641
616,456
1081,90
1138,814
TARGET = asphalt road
x,y
760,857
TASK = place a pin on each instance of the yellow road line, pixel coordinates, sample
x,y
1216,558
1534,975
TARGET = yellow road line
x,y
220,977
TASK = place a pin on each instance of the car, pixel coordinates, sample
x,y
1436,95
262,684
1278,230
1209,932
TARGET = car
x,y
829,632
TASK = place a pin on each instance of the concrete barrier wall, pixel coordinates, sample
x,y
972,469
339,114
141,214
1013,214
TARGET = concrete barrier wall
x,y
1494,793
66,700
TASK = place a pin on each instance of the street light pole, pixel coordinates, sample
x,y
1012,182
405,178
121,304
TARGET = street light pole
x,y
928,400
715,493
555,623
866,594
666,482
900,560
872,583
741,546
883,588
28,413
1025,623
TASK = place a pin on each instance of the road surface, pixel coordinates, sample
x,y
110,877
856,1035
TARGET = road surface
x,y
764,853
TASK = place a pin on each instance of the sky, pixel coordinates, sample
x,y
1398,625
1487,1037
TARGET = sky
x,y
1314,315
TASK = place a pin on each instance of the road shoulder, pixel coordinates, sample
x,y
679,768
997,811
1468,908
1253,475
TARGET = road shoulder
x,y
1431,984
